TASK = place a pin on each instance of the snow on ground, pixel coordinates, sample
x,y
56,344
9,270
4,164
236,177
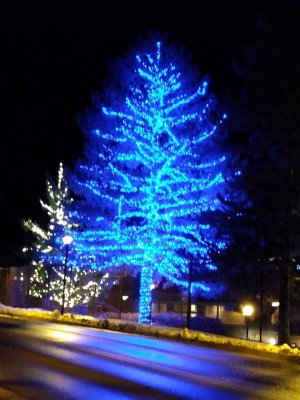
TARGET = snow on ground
x,y
152,330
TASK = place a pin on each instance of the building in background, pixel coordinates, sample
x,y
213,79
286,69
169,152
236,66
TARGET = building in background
x,y
14,284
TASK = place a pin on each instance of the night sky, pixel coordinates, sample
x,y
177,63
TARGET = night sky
x,y
55,53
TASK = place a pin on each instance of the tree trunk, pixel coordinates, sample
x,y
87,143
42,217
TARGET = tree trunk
x,y
145,295
284,299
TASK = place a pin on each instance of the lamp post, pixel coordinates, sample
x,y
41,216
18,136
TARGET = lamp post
x,y
122,276
189,294
247,312
67,240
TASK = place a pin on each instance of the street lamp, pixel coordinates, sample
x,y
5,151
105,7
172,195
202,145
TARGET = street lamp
x,y
67,240
247,312
189,294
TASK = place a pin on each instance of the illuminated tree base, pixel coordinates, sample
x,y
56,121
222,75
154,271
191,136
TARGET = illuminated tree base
x,y
145,295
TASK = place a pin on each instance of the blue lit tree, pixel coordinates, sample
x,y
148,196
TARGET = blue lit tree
x,y
152,173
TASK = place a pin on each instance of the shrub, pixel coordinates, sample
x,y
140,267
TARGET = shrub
x,y
210,325
169,319
55,314
105,324
295,324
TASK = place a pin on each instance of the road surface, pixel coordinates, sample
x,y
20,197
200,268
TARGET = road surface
x,y
54,361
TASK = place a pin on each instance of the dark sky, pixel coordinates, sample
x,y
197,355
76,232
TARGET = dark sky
x,y
54,53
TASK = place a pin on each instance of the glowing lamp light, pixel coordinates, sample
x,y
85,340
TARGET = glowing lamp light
x,y
67,239
248,310
272,341
275,303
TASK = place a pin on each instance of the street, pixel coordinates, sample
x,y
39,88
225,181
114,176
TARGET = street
x,y
55,361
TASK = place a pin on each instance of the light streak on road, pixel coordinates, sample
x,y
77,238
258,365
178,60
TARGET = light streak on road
x,y
80,363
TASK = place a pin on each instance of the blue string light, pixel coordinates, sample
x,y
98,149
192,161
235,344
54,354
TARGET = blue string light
x,y
152,171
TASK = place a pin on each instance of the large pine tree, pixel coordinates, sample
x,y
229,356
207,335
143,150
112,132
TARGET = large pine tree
x,y
48,252
152,172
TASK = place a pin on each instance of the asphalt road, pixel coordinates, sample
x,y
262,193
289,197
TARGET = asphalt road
x,y
53,361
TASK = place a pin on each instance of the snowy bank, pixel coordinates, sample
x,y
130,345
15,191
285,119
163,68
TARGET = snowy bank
x,y
150,330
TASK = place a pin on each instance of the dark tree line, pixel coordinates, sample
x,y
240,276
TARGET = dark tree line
x,y
263,132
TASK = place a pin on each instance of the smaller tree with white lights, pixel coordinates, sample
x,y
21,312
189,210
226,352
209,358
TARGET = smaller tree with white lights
x,y
46,281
